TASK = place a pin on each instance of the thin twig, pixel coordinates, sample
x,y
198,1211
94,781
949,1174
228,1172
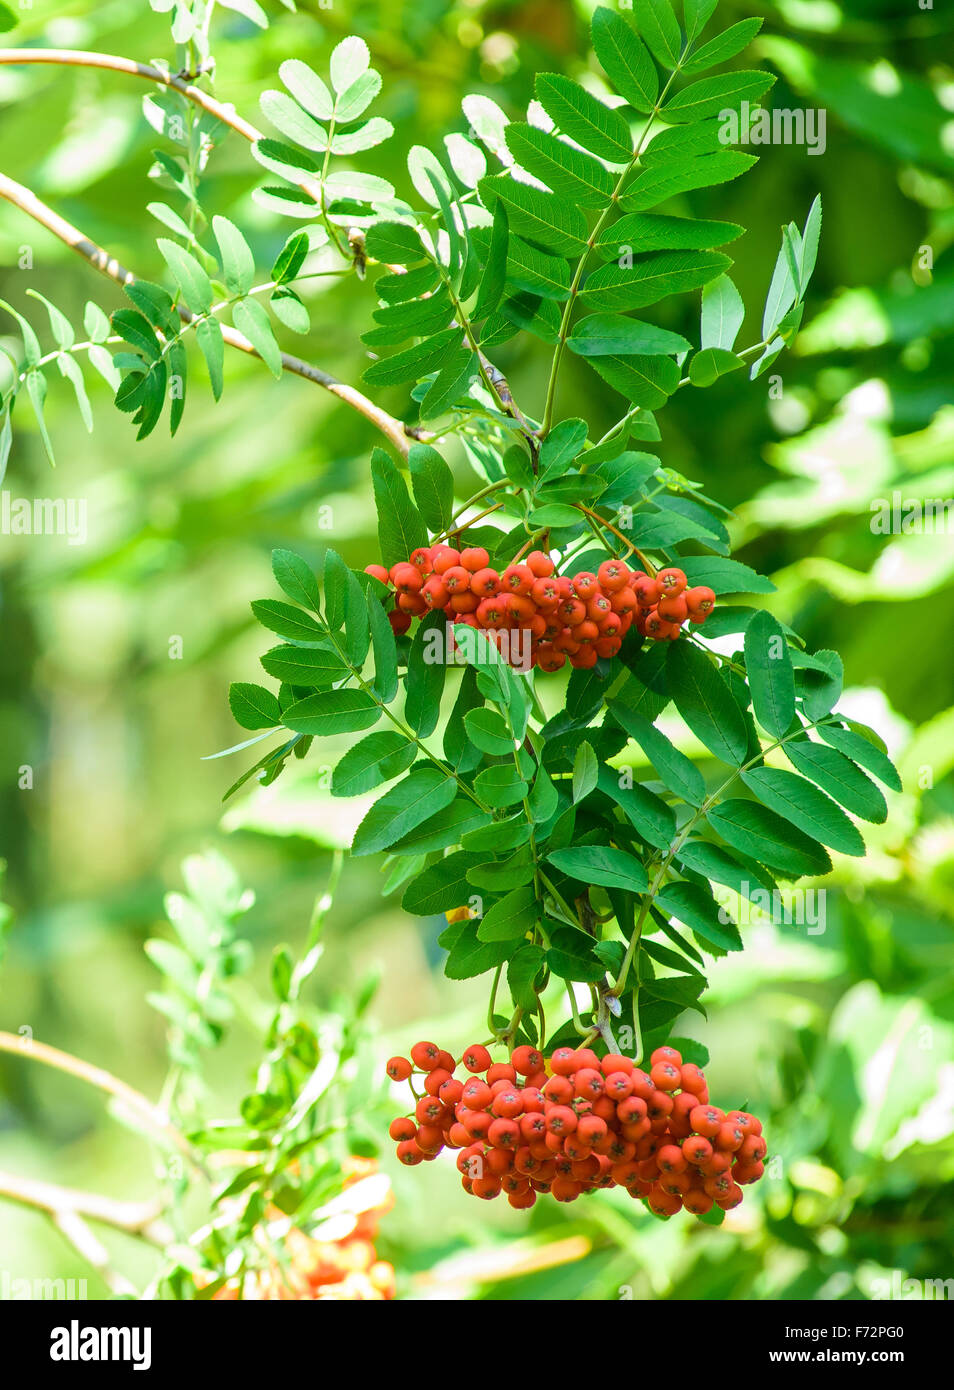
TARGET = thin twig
x,y
155,1119
143,1219
28,202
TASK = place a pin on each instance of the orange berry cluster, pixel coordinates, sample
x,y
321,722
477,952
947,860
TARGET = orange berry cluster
x,y
574,1123
346,1269
582,617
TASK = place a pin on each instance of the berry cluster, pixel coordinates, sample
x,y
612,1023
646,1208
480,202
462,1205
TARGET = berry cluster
x,y
582,617
345,1269
574,1122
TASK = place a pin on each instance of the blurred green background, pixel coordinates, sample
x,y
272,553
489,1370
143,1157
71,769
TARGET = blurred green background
x,y
842,1040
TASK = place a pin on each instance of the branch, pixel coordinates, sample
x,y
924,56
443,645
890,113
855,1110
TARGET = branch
x,y
111,62
28,202
135,1218
150,1115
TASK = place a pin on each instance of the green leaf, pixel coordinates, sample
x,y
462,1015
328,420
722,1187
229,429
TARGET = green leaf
x,y
705,703
569,172
442,887
193,282
820,689
755,830
208,335
808,251
647,231
647,281
59,324
537,216
675,769
709,365
562,445
711,96
287,621
238,263
585,772
488,732
544,800
70,368
725,576
400,528
722,314
378,758
802,803
572,956
305,666
253,706
291,258
288,117
717,864
468,955
332,712
422,794
36,391
251,319
451,383
614,335
395,243
413,362
426,670
645,381
536,272
863,751
307,88
356,98
494,277
783,290
770,675
725,45
624,59
384,649
511,918
660,182
839,777
696,908
433,485
588,121
696,15
602,864
500,786
652,819
659,27
349,60
522,970
295,578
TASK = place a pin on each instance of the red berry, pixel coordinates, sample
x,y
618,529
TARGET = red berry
x,y
474,559
399,1069
672,581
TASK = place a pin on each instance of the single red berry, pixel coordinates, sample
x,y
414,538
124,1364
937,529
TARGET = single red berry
x,y
540,563
613,576
474,559
399,1068
672,580
526,1060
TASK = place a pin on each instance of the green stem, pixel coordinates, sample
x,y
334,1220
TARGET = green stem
x,y
680,840
584,258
